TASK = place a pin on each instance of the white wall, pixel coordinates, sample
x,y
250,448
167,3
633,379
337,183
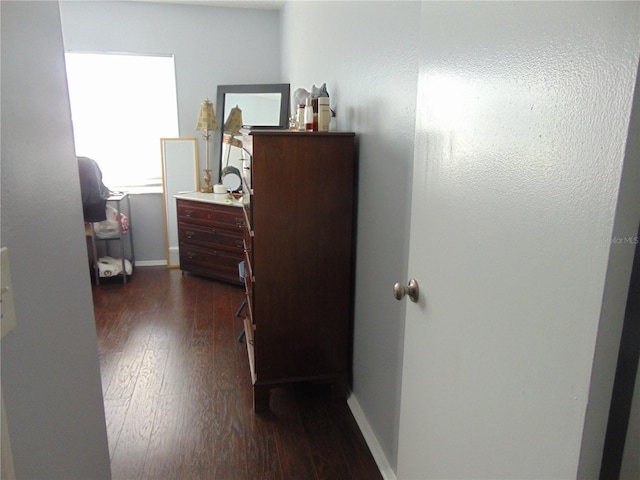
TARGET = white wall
x,y
366,53
50,372
212,46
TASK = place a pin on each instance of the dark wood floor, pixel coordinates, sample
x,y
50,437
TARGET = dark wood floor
x,y
178,399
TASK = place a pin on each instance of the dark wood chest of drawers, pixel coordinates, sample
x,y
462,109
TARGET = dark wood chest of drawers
x,y
211,239
299,243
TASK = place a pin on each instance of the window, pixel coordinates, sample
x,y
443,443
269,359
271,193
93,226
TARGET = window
x,y
121,105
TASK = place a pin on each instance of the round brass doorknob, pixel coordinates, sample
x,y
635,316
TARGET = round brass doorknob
x,y
410,289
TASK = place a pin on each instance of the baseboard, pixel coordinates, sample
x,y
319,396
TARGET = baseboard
x,y
370,437
151,263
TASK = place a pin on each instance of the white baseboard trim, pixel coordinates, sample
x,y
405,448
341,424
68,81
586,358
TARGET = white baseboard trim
x,y
370,437
151,263
174,255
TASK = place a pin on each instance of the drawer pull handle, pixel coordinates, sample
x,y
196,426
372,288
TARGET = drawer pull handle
x,y
191,255
239,244
189,234
240,222
188,213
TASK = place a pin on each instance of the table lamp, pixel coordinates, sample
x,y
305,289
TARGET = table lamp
x,y
207,123
230,176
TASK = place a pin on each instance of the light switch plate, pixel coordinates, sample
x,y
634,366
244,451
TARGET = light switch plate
x,y
7,311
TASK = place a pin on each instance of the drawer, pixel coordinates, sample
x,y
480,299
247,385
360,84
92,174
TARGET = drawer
x,y
210,236
221,264
209,214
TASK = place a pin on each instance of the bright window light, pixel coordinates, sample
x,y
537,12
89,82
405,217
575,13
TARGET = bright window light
x,y
121,105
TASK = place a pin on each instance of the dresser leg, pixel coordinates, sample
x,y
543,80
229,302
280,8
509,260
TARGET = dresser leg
x,y
340,389
261,394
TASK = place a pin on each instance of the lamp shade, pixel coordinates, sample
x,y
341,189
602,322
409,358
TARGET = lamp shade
x,y
207,120
234,121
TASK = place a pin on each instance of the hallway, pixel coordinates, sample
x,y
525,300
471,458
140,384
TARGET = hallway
x,y
178,399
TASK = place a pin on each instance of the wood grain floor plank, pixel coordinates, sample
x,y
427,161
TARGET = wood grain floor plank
x,y
115,412
137,428
262,455
178,396
334,453
115,326
175,379
229,450
203,317
197,462
294,451
108,367
165,452
124,379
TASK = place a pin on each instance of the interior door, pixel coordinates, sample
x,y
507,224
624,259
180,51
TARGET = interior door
x,y
499,346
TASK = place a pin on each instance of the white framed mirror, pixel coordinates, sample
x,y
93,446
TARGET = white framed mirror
x,y
179,175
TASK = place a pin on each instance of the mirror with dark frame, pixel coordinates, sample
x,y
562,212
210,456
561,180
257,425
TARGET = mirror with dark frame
x,y
259,105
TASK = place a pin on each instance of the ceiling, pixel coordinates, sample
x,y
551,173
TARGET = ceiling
x,y
258,4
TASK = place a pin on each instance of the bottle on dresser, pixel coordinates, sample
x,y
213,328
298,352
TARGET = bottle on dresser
x,y
324,114
300,116
308,116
